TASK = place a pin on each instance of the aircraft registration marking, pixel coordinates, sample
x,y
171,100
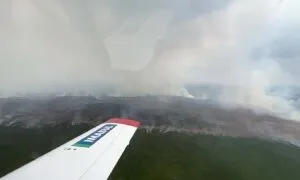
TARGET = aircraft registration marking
x,y
91,139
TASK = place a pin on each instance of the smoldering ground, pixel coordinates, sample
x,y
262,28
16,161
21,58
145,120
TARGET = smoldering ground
x,y
165,113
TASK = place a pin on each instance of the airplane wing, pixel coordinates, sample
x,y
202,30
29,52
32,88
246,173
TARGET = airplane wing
x,y
89,156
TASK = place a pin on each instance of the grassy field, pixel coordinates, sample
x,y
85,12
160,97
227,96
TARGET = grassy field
x,y
158,156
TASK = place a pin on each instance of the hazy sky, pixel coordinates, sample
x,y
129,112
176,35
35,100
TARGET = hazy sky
x,y
152,46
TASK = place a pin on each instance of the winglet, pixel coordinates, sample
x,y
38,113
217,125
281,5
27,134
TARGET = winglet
x,y
128,122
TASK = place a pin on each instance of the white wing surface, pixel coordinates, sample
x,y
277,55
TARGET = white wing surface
x,y
89,156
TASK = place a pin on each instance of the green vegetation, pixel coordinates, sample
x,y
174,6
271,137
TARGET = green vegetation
x,y
168,156
156,156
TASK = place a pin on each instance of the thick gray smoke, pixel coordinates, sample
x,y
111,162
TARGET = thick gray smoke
x,y
153,47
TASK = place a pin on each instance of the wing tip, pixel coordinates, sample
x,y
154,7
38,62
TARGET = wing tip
x,y
124,121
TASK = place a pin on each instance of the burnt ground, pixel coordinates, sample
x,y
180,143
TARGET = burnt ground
x,y
162,112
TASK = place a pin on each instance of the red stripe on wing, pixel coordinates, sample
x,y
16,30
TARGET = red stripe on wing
x,y
128,122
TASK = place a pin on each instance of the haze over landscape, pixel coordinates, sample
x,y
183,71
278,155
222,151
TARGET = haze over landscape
x,y
155,47
215,83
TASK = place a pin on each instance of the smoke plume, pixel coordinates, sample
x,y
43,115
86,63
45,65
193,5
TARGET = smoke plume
x,y
153,47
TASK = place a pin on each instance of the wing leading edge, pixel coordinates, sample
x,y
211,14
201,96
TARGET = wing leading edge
x,y
89,156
